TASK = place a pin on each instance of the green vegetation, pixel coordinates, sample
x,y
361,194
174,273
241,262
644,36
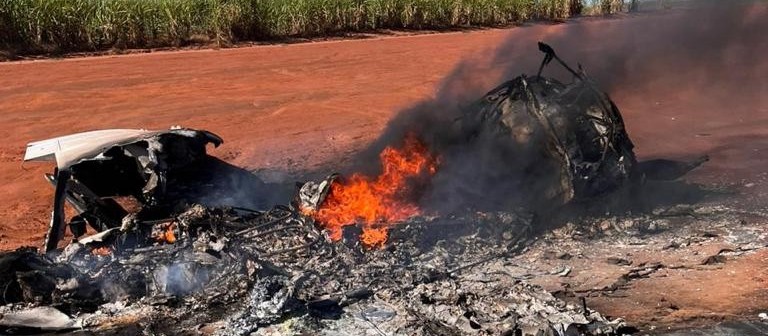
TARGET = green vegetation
x,y
44,26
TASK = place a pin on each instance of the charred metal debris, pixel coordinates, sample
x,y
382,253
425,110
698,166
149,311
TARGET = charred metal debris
x,y
576,130
275,272
237,271
93,168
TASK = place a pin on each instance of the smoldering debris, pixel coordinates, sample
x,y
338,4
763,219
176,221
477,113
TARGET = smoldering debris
x,y
534,142
93,166
455,275
116,178
570,139
249,270
646,56
252,270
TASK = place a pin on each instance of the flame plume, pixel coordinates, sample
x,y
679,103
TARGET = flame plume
x,y
376,203
164,233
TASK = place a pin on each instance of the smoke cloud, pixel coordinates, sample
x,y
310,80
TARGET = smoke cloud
x,y
691,49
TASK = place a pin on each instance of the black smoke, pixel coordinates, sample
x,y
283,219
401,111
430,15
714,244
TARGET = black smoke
x,y
692,48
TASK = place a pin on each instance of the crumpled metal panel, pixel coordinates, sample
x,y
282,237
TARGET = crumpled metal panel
x,y
70,149
84,159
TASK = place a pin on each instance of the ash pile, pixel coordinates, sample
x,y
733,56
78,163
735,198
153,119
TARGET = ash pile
x,y
345,255
235,272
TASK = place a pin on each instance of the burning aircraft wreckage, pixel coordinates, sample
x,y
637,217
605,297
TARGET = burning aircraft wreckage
x,y
350,255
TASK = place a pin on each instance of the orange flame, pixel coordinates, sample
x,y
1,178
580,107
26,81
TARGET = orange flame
x,y
167,234
377,203
102,251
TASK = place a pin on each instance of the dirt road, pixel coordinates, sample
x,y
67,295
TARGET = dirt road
x,y
302,106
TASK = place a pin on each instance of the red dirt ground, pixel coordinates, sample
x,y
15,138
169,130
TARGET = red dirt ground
x,y
301,106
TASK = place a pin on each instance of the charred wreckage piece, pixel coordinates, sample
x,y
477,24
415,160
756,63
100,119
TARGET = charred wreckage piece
x,y
577,130
581,129
93,167
277,271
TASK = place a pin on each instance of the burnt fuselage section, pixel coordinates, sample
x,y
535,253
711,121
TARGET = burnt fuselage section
x,y
95,168
572,134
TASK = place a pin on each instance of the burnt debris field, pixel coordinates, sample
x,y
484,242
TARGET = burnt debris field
x,y
516,200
